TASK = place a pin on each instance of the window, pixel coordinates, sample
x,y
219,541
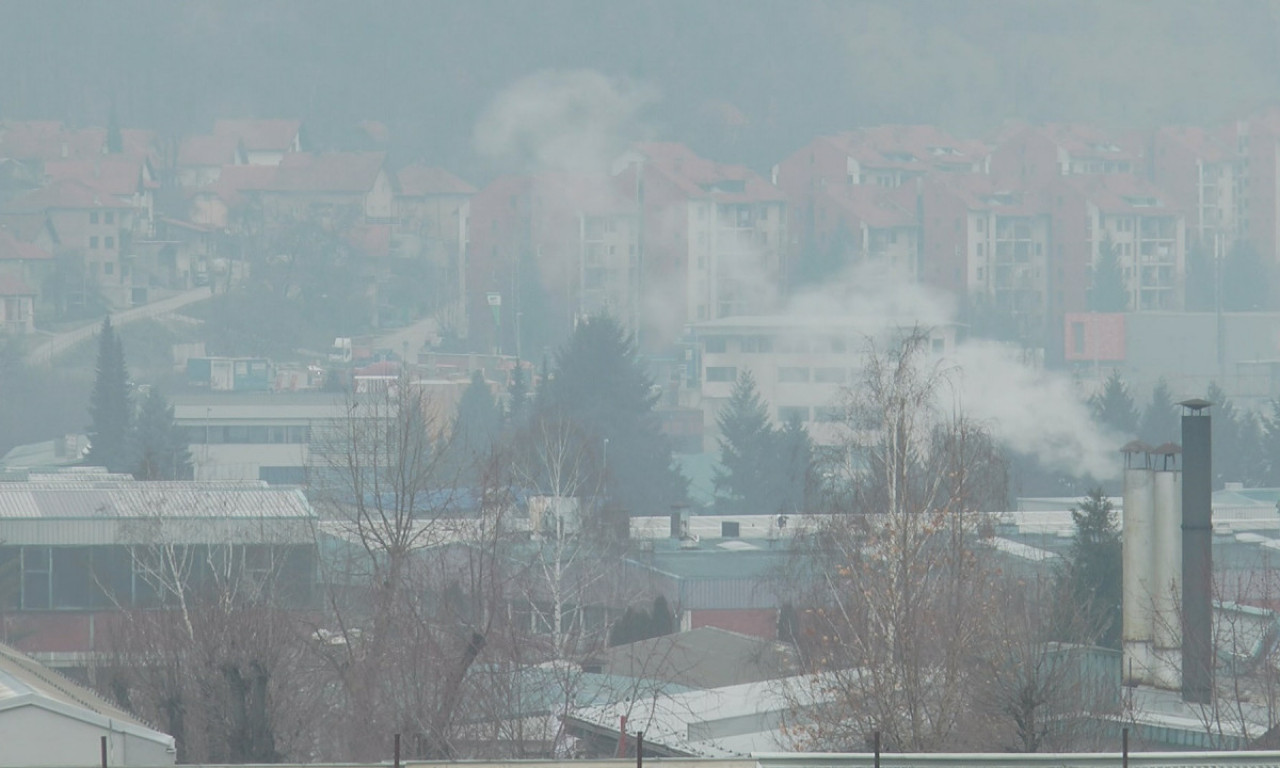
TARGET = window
x,y
722,373
93,242
93,217
982,225
108,267
828,375
35,578
715,345
108,242
109,217
979,273
1077,338
792,413
283,475
73,585
981,250
793,375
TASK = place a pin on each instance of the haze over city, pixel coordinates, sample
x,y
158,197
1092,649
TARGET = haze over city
x,y
478,381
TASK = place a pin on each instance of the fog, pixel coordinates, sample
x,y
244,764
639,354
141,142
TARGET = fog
x,y
499,374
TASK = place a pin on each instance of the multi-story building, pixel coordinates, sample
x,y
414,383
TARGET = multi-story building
x,y
714,240
1148,234
333,188
863,224
87,224
570,239
262,142
891,156
432,207
1201,171
802,365
23,268
1035,155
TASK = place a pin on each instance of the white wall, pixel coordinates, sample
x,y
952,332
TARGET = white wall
x,y
34,736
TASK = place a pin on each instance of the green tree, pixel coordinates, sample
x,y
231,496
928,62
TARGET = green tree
x,y
160,449
601,385
1159,423
1270,445
1114,408
1108,289
1244,279
748,479
518,396
109,405
477,423
796,460
1093,573
661,620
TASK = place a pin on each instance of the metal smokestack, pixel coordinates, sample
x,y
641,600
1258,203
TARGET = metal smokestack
x,y
1197,554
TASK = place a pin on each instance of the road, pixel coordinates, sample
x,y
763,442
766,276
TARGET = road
x,y
409,339
44,353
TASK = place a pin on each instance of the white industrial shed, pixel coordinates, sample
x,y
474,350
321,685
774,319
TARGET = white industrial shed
x,y
47,720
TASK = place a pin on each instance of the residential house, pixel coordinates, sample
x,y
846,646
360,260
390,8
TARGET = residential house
x,y
45,141
714,240
201,158
88,224
337,188
129,180
262,142
23,269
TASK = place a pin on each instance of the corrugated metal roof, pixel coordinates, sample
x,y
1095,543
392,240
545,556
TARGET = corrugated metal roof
x,y
81,494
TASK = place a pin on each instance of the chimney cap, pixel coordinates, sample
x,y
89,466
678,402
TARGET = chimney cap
x,y
1135,446
1167,449
1195,404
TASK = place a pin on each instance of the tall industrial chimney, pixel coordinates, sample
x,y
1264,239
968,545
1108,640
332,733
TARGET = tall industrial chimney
x,y
1197,553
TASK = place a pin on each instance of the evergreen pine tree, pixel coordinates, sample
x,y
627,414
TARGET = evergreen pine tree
x,y
1108,292
1114,408
478,421
601,385
1160,418
1270,446
160,449
1224,432
1093,575
110,411
661,621
746,480
518,396
795,457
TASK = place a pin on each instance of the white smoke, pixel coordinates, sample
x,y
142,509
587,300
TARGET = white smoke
x,y
568,121
1027,408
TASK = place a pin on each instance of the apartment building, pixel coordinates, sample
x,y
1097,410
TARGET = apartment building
x,y
864,224
1202,171
802,365
1035,155
715,240
573,238
1148,232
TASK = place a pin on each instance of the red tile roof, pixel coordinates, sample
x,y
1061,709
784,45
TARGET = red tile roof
x,y
1204,144
342,172
423,181
13,248
207,150
66,194
910,147
235,180
261,135
700,178
1119,193
50,140
111,174
14,286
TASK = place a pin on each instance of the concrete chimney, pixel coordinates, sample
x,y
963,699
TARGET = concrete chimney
x,y
1138,615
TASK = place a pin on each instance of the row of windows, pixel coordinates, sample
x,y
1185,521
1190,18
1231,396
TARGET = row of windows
x,y
108,217
108,242
802,413
766,345
252,435
37,578
786,374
